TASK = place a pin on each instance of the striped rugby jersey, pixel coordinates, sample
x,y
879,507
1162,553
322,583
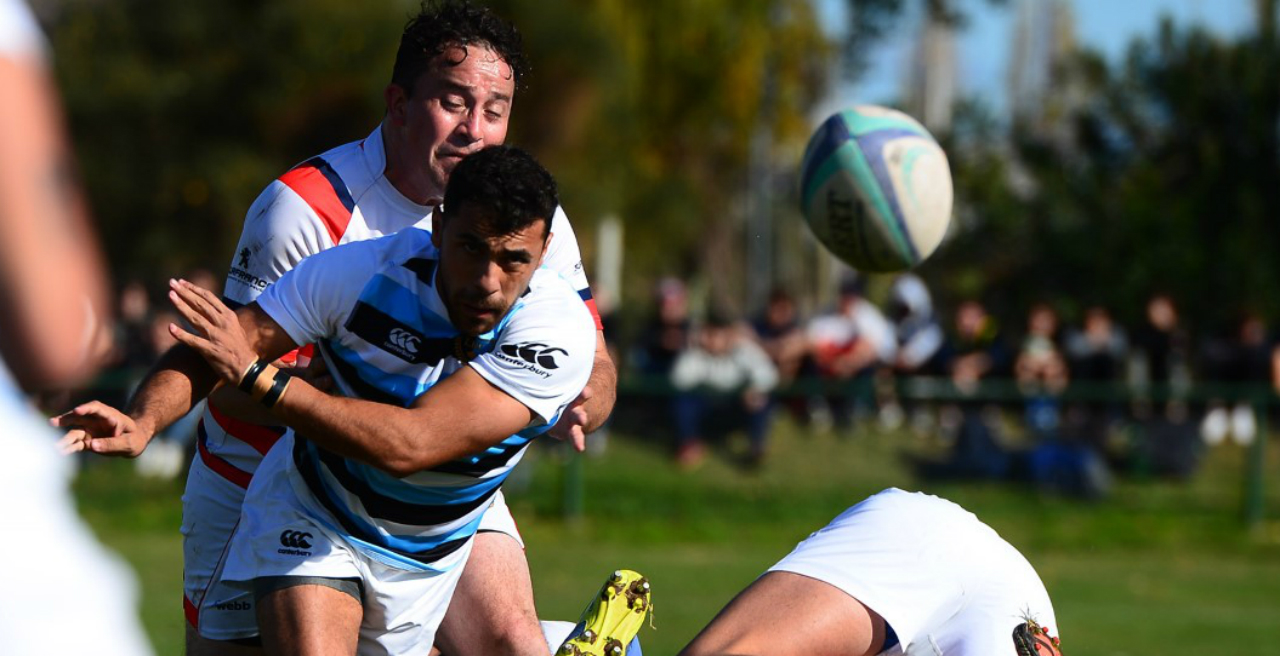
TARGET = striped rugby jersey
x,y
339,197
376,317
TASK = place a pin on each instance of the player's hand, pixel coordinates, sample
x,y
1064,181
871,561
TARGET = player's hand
x,y
572,421
98,427
223,345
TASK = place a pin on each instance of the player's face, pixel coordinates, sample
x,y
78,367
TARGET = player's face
x,y
459,106
482,274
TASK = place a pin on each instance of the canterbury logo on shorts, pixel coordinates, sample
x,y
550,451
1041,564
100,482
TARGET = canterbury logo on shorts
x,y
295,543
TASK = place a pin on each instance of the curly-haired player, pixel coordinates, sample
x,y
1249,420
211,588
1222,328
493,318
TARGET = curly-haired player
x,y
451,94
900,573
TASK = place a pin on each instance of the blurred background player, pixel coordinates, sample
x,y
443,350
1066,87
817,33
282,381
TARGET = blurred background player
x,y
899,573
52,313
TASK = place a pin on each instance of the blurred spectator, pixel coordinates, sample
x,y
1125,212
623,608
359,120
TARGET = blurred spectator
x,y
847,346
1245,358
977,349
920,340
134,348
666,334
1163,348
723,375
919,334
1096,353
1041,369
781,336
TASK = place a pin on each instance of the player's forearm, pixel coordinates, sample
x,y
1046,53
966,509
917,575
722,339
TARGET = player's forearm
x,y
393,439
173,386
604,386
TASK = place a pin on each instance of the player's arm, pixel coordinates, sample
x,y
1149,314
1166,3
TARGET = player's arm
x,y
183,376
52,282
594,406
461,415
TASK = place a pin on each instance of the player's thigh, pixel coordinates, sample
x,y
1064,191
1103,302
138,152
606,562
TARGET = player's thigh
x,y
785,614
304,620
492,606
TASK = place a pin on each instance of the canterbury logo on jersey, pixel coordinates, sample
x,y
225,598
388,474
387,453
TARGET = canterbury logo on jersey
x,y
404,340
536,357
377,328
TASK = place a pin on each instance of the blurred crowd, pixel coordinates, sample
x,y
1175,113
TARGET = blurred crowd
x,y
848,367
1085,397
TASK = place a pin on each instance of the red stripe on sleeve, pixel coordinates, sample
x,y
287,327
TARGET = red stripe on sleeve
x,y
309,183
595,313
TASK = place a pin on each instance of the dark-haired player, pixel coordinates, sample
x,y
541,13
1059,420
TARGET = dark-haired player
x,y
452,90
452,350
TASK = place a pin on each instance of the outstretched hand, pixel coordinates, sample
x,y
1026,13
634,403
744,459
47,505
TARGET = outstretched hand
x,y
570,426
223,345
98,427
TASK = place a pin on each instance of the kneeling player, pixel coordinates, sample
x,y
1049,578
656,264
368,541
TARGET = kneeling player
x,y
899,573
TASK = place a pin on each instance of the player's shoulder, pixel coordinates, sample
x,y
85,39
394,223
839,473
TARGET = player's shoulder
x,y
550,290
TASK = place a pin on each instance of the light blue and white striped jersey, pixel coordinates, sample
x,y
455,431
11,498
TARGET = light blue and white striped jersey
x,y
374,312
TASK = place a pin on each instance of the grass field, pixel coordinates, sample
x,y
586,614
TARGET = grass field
x,y
1157,567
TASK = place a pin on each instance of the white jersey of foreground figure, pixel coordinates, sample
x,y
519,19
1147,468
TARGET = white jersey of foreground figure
x,y
902,573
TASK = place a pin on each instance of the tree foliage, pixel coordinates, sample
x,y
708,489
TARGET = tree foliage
x,y
1162,179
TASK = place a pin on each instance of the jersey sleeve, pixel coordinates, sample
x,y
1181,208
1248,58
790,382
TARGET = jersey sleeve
x,y
280,230
565,258
312,300
543,357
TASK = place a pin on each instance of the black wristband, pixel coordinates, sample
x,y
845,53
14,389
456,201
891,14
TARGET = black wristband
x,y
250,375
277,388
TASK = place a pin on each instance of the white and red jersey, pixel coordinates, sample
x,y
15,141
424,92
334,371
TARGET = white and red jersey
x,y
339,197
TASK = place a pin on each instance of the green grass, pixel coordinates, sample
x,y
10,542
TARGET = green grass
x,y
1158,566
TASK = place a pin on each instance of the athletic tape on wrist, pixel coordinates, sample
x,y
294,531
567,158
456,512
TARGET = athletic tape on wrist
x,y
278,385
250,376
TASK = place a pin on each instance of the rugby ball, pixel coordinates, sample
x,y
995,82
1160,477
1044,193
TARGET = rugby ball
x,y
875,188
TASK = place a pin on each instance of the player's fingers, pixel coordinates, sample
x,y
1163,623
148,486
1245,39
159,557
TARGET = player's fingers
x,y
112,446
72,442
578,438
585,395
187,292
200,344
189,311
211,300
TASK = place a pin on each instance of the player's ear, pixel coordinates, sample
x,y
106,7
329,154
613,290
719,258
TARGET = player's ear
x,y
546,243
437,226
396,98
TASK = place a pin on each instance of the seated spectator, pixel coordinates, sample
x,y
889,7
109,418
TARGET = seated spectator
x,y
976,350
781,336
722,375
847,345
1096,354
666,333
1041,369
1244,360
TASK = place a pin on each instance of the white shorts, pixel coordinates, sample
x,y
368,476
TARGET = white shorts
x,y
60,591
210,511
283,531
945,582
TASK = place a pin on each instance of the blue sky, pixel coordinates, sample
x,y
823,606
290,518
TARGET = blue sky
x,y
983,47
